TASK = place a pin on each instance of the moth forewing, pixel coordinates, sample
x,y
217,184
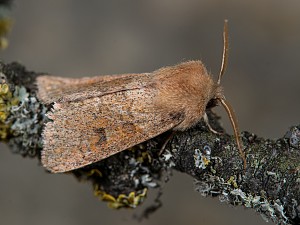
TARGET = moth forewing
x,y
93,128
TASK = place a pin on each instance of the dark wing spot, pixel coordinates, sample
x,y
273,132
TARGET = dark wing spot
x,y
130,127
176,116
102,135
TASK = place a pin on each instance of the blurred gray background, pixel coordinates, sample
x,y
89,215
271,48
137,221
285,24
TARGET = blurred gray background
x,y
85,38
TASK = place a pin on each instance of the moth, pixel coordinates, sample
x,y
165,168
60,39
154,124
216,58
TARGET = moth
x,y
96,117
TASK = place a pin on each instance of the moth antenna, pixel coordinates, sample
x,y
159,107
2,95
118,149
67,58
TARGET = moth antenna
x,y
225,51
235,127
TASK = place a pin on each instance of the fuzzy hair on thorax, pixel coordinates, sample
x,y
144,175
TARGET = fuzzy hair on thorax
x,y
186,89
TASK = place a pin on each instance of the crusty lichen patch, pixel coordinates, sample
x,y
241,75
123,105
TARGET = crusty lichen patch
x,y
22,116
7,101
123,185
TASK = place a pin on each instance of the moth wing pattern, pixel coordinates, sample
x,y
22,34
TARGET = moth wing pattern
x,y
86,130
52,88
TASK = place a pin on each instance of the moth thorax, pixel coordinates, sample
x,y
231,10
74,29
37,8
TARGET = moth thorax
x,y
195,105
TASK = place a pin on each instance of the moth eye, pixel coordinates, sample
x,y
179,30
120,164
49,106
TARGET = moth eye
x,y
212,103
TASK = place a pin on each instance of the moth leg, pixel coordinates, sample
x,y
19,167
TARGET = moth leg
x,y
205,117
170,136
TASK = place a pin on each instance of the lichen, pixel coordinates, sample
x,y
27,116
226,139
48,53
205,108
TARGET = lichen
x,y
129,189
131,200
7,101
22,117
121,200
202,157
229,192
293,136
167,158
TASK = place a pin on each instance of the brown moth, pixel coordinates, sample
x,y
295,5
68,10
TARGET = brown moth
x,y
94,118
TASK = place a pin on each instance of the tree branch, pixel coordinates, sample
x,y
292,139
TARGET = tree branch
x,y
270,184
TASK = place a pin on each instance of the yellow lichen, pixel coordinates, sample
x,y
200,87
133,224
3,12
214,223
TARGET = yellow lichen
x,y
7,100
206,161
131,200
232,182
94,172
144,157
4,89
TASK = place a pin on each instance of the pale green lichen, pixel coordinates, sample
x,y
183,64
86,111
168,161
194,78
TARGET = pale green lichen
x,y
28,119
267,209
167,158
230,193
139,173
22,118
